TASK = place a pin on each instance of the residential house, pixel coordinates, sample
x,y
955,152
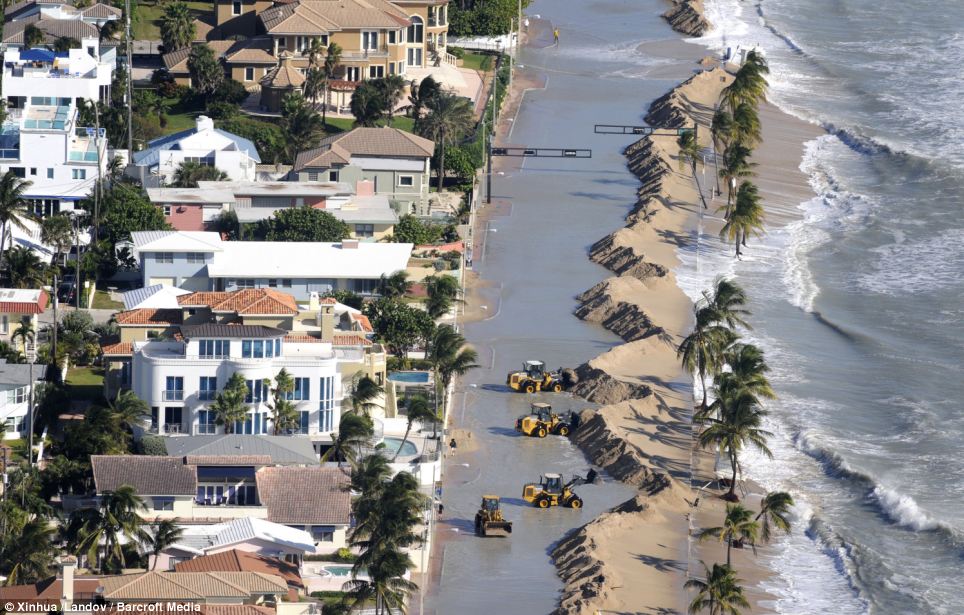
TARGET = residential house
x,y
21,305
16,382
238,560
204,144
211,490
369,216
246,60
203,261
198,588
43,139
57,592
58,19
397,163
280,450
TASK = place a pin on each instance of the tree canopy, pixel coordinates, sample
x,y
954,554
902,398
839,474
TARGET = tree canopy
x,y
126,208
399,326
302,224
205,69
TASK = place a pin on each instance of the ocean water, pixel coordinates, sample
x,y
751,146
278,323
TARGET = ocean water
x,y
858,305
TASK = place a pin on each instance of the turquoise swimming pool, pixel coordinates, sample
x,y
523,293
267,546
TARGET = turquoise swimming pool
x,y
393,444
409,377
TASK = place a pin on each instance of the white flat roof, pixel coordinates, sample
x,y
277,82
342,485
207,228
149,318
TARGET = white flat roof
x,y
190,196
278,188
277,259
176,241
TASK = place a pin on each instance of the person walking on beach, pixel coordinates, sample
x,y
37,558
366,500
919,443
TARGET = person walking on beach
x,y
555,36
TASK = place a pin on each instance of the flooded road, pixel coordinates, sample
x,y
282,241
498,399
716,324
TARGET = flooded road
x,y
535,260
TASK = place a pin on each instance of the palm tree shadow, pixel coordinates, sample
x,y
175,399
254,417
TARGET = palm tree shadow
x,y
661,564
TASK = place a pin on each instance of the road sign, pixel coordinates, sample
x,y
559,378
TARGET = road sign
x,y
541,152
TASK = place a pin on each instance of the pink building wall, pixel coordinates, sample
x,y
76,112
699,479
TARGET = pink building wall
x,y
184,217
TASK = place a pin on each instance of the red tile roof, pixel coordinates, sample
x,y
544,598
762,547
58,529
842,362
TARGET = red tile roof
x,y
245,302
236,560
303,496
328,301
303,339
149,317
26,307
363,322
120,349
48,589
349,339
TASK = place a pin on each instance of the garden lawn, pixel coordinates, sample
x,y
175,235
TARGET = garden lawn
x,y
475,60
85,383
148,24
102,301
341,124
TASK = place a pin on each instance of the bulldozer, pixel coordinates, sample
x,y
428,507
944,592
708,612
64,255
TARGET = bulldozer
x,y
543,421
489,520
534,378
550,491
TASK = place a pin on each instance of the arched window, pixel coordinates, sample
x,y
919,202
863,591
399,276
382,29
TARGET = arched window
x,y
416,29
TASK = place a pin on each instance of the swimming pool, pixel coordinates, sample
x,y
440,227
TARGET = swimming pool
x,y
409,377
393,444
337,570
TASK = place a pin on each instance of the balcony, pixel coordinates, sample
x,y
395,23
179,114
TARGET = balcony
x,y
168,428
434,22
365,54
207,396
174,395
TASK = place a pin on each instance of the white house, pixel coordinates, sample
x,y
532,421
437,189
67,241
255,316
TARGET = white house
x,y
43,140
180,379
204,144
15,384
203,261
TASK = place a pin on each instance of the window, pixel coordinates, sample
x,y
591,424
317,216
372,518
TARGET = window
x,y
392,37
406,180
376,72
352,73
332,176
304,418
195,257
19,172
76,173
363,287
33,170
235,8
4,324
401,67
416,30
369,41
326,407
257,391
208,388
174,389
213,349
302,390
50,173
323,533
245,349
163,504
282,42
18,396
364,230
167,210
286,283
313,176
16,424
256,423
163,257
272,283
249,73
206,422
391,68
244,283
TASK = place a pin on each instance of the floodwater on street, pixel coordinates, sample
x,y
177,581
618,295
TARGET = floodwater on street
x,y
535,259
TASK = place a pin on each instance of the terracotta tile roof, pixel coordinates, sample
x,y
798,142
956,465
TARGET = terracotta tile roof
x,y
148,317
203,28
191,585
119,349
326,16
363,322
235,560
148,475
246,302
15,303
348,339
303,496
257,50
236,609
389,142
176,61
51,589
303,339
328,301
283,76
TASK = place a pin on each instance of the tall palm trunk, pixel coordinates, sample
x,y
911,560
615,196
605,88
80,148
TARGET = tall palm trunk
x,y
731,495
441,161
324,107
408,428
3,245
703,383
699,188
739,237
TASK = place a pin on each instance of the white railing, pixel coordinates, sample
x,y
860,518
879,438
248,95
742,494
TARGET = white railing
x,y
449,59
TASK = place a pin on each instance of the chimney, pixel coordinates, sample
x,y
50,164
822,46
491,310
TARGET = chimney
x,y
326,321
313,301
364,187
204,123
349,244
67,565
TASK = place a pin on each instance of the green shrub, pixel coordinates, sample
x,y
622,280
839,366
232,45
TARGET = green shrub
x,y
486,63
458,52
153,445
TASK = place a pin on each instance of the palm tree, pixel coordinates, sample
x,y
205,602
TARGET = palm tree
x,y
364,391
165,533
727,302
370,474
229,406
101,530
31,550
395,285
774,511
189,173
449,118
738,527
747,371
689,155
749,84
746,217
332,58
314,84
416,410
66,43
420,94
33,37
24,268
57,232
13,208
449,357
285,417
739,424
701,352
721,130
367,104
128,410
746,124
177,26
392,89
301,124
24,332
386,585
720,593
442,292
314,52
736,165
354,434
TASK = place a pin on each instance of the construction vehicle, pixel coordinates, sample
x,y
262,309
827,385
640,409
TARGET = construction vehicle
x,y
542,421
550,491
534,378
489,520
